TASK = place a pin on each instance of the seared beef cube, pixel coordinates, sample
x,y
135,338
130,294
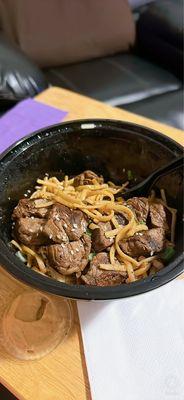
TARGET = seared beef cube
x,y
73,222
68,258
121,219
99,240
54,232
140,207
29,231
28,208
158,216
145,243
98,277
86,178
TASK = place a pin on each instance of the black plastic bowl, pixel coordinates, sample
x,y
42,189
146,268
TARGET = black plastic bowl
x,y
106,147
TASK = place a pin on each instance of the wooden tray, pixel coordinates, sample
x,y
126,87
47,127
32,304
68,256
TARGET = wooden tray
x,y
62,374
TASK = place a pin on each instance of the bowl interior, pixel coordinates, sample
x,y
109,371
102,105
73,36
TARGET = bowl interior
x,y
107,147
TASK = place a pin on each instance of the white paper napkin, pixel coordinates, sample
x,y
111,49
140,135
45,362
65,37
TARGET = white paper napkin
x,y
134,347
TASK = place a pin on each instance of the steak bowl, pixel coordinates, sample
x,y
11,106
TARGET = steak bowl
x,y
107,147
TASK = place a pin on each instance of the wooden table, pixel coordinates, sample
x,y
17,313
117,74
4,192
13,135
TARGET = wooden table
x,y
62,374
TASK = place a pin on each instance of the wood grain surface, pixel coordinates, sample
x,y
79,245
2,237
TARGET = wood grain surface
x,y
62,375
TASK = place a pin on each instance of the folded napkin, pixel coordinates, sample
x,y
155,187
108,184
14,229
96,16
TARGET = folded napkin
x,y
134,347
26,117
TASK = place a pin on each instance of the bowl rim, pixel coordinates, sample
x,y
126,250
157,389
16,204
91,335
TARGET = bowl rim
x,y
21,272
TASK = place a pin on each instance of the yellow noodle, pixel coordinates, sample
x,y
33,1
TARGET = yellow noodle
x,y
55,180
113,232
132,230
93,187
103,218
93,226
145,260
91,200
113,267
137,228
130,272
66,181
141,227
17,245
29,260
83,194
107,193
39,260
44,204
71,181
90,214
111,184
173,225
124,257
142,270
112,254
163,196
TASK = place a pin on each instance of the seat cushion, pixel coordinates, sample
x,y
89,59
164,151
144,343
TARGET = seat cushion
x,y
58,32
167,108
19,77
160,34
117,80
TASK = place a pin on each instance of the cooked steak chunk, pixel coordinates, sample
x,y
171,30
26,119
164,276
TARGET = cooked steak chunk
x,y
98,277
158,216
99,240
73,222
29,231
28,208
68,258
144,243
86,178
140,207
121,219
54,231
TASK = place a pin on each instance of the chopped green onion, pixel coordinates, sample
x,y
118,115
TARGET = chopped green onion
x,y
89,232
91,255
130,175
168,254
142,223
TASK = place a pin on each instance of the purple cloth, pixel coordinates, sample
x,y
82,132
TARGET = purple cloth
x,y
26,117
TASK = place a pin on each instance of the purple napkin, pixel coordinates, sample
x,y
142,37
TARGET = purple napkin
x,y
26,117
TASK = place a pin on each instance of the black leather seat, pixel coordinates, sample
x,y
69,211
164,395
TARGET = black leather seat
x,y
117,80
147,81
166,108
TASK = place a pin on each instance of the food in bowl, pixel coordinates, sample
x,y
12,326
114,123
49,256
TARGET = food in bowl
x,y
76,231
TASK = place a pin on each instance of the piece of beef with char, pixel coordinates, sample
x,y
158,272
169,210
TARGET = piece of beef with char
x,y
54,233
99,240
70,257
145,243
29,208
99,277
140,206
121,219
87,178
71,222
158,216
29,231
